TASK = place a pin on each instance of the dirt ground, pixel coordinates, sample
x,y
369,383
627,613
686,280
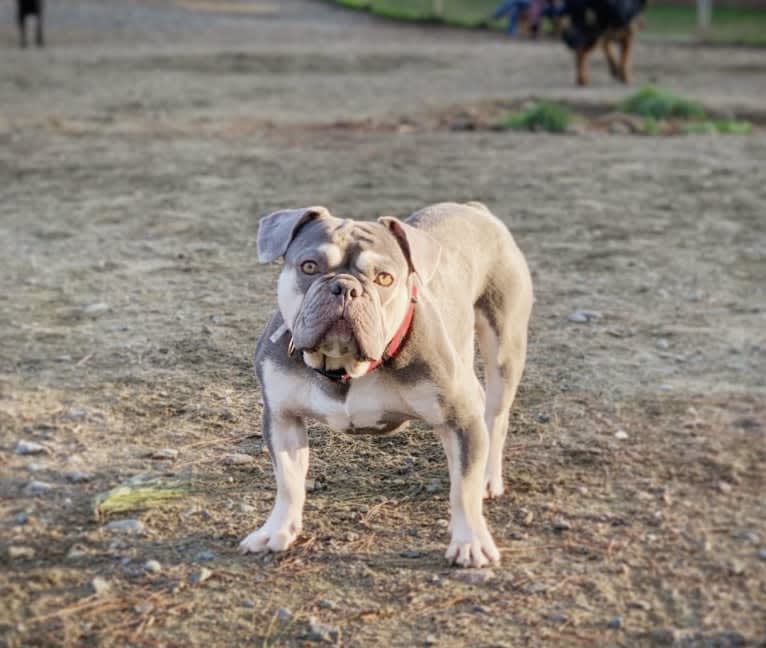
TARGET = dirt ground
x,y
137,153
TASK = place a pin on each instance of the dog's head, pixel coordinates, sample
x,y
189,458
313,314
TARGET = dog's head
x,y
345,285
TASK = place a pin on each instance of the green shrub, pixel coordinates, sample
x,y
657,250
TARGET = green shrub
x,y
660,104
543,116
724,126
651,126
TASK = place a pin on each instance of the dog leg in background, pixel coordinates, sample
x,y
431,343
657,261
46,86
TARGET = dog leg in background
x,y
289,447
626,43
581,58
39,39
614,67
21,19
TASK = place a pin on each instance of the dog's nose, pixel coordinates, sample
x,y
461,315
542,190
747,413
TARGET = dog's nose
x,y
346,286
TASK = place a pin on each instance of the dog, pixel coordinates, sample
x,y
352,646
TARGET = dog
x,y
375,327
608,21
24,10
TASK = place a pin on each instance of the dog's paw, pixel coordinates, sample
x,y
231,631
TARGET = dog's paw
x,y
493,487
473,549
271,537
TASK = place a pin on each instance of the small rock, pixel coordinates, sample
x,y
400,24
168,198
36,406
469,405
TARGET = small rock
x,y
246,508
30,448
313,485
410,553
249,604
748,536
153,566
144,607
474,576
583,316
201,576
326,604
762,554
22,518
621,435
76,414
100,586
238,459
165,454
322,632
662,344
614,623
75,552
557,617
35,488
78,477
94,310
129,525
724,487
284,614
482,609
543,418
640,605
737,568
434,486
205,556
35,466
430,640
560,524
663,636
536,588
15,553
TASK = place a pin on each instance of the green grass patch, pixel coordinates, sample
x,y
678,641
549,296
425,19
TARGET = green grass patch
x,y
656,103
545,116
724,127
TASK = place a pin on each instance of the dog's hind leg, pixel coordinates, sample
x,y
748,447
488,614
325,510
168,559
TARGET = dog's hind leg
x,y
39,37
581,62
614,68
626,43
22,22
501,326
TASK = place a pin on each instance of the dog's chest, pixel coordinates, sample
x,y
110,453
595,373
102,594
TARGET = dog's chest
x,y
369,406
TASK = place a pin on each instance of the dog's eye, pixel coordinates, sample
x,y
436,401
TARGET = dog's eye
x,y
384,279
309,267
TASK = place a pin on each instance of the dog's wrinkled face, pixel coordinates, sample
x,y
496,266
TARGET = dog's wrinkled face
x,y
343,290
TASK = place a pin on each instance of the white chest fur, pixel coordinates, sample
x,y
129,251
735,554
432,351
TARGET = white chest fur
x,y
373,402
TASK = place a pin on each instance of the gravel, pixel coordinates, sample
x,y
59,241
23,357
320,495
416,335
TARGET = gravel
x,y
129,526
36,488
30,448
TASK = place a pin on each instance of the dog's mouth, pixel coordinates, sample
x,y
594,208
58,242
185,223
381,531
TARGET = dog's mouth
x,y
339,341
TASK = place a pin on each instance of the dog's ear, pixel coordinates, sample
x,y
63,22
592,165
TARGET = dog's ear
x,y
277,230
421,249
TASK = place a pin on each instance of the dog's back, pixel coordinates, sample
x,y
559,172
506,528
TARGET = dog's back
x,y
590,19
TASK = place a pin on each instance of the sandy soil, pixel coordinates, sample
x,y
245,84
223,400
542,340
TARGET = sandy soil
x,y
136,154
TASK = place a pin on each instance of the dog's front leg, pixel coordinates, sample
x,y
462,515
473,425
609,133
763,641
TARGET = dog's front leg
x,y
288,444
466,445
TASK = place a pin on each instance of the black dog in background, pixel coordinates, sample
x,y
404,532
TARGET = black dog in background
x,y
608,21
26,9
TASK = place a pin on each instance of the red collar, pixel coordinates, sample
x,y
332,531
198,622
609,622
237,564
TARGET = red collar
x,y
394,346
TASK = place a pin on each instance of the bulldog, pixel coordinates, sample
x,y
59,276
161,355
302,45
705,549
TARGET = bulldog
x,y
375,327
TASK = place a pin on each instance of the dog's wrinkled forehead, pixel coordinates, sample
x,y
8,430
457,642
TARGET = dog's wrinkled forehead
x,y
343,243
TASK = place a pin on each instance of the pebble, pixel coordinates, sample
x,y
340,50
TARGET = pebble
x,y
284,614
640,605
621,435
762,554
434,486
100,586
153,566
322,632
238,459
75,552
662,344
748,536
313,485
663,637
583,316
15,553
474,576
94,310
77,414
144,607
326,604
35,488
410,553
560,524
30,448
165,454
128,525
201,576
249,604
246,508
78,477
557,617
22,518
205,556
724,487
543,418
737,568
536,588
614,623
482,609
430,640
